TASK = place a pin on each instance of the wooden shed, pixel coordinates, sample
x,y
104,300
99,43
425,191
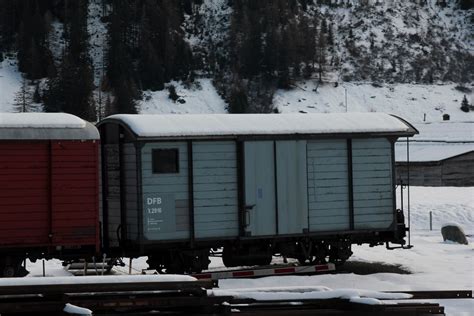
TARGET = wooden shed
x,y
436,163
190,178
49,185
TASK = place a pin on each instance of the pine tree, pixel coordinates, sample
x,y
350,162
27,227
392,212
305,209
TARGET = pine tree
x,y
238,102
23,99
9,22
251,53
124,99
330,37
71,90
36,94
321,55
465,106
108,107
34,57
466,4
284,79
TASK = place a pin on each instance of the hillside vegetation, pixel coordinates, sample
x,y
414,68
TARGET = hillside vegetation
x,y
99,57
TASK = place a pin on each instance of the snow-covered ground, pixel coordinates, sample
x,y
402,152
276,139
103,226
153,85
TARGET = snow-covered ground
x,y
10,83
433,264
408,101
198,97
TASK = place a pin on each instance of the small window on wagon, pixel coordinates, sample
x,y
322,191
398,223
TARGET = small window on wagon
x,y
165,160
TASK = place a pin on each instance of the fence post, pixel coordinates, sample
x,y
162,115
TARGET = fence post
x,y
431,220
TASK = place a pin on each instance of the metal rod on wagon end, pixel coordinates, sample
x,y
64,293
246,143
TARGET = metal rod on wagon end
x,y
103,263
431,220
408,191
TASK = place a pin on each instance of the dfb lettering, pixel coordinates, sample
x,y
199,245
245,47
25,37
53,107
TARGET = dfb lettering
x,y
151,201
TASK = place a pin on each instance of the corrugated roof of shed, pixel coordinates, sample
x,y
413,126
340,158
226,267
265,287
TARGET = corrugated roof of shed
x,y
431,151
45,126
201,125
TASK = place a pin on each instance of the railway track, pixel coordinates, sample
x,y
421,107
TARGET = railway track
x,y
81,269
140,297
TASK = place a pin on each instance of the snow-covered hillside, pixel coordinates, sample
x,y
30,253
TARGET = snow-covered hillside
x,y
10,83
415,103
409,101
384,41
199,97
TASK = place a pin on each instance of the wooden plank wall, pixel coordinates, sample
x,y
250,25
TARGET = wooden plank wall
x,y
24,191
113,191
49,188
420,174
456,171
215,189
292,186
459,171
175,184
131,194
372,180
328,185
259,182
75,188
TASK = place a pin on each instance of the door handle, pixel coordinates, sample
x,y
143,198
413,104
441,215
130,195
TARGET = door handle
x,y
248,208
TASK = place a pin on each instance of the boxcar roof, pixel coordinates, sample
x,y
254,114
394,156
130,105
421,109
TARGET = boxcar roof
x,y
431,151
45,126
215,125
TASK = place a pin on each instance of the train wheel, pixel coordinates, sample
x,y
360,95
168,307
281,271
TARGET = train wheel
x,y
339,253
9,271
175,268
12,267
312,260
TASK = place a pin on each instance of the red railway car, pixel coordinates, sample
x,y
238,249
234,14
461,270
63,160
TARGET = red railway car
x,y
49,188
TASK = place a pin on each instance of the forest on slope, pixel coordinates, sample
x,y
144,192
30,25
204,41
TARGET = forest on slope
x,y
97,57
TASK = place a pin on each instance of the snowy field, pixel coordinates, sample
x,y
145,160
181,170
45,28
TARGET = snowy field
x,y
434,264
409,101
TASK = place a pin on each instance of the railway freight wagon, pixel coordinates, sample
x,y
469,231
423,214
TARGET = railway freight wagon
x,y
49,186
305,186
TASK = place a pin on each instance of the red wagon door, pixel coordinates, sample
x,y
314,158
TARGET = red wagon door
x,y
24,192
75,193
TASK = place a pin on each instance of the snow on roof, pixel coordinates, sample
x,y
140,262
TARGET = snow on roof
x,y
431,151
445,131
45,126
260,124
40,120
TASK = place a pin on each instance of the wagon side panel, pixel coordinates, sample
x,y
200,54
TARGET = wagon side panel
x,y
372,180
291,175
215,189
75,193
328,185
165,193
24,191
